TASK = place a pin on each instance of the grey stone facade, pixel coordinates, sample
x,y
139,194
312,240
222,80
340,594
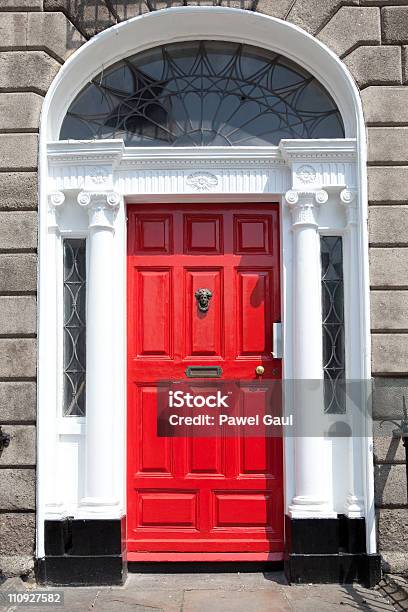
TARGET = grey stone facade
x,y
371,37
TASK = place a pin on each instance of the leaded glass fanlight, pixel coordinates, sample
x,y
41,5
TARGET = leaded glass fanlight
x,y
203,93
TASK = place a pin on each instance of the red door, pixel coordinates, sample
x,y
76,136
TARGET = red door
x,y
201,498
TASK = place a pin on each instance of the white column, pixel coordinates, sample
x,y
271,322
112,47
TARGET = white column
x,y
100,491
53,503
312,492
354,505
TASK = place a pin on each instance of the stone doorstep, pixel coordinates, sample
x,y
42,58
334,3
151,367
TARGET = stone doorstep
x,y
395,588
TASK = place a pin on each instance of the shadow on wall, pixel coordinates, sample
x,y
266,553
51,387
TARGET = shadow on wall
x,y
93,16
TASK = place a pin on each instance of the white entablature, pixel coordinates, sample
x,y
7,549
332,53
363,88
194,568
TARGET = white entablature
x,y
109,165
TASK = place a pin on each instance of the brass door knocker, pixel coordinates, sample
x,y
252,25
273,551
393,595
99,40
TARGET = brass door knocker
x,y
203,297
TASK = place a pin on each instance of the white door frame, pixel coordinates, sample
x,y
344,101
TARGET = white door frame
x,y
83,186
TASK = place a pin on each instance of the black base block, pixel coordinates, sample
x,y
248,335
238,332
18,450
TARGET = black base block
x,y
329,550
83,552
333,569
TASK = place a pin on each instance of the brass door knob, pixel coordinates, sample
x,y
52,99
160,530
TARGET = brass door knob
x,y
260,370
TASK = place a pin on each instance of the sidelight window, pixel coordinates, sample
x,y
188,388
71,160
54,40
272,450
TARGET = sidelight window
x,y
74,327
203,93
333,324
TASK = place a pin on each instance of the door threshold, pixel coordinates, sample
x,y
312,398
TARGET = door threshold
x,y
161,557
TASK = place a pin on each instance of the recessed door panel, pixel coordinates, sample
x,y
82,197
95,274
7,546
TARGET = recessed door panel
x,y
204,329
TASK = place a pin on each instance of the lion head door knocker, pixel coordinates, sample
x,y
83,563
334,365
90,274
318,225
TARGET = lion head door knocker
x,y
203,297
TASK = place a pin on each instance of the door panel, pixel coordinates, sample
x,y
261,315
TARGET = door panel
x,y
202,498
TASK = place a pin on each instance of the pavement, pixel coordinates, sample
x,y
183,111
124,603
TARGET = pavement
x,y
215,592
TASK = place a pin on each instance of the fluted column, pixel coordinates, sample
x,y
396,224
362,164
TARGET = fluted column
x,y
100,400
311,485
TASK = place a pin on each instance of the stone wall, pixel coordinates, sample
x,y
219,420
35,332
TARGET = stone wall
x,y
371,37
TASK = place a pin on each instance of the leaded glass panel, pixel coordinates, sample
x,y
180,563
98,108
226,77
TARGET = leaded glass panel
x,y
333,323
74,327
203,93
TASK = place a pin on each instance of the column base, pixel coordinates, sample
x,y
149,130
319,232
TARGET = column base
x,y
305,507
83,552
329,550
98,508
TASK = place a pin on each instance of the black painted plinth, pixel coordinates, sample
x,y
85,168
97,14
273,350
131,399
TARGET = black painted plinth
x,y
329,551
83,552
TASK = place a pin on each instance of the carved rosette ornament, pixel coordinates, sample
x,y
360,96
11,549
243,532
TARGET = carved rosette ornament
x,y
304,205
102,207
55,200
349,200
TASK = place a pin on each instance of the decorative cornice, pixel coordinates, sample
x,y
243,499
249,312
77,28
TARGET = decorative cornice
x,y
304,205
102,207
342,149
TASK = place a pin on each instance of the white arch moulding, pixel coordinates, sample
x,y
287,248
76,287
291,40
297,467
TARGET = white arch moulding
x,y
328,176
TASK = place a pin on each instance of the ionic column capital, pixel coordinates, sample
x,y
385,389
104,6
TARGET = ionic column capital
x,y
348,198
102,207
304,205
55,201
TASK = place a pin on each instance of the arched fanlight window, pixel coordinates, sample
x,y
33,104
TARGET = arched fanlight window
x,y
203,93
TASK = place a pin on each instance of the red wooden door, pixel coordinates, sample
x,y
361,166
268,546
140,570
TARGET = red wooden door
x,y
201,498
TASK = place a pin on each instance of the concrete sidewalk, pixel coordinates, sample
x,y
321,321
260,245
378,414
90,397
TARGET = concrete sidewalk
x,y
240,592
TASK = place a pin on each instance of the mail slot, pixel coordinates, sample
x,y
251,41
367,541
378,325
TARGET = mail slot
x,y
204,372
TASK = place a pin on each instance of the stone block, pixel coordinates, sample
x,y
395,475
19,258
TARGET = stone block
x,y
18,151
387,144
13,27
18,314
52,32
389,267
20,111
21,450
375,65
387,397
88,17
385,105
18,401
392,526
389,354
404,64
389,310
18,272
387,184
393,563
312,16
32,70
18,230
390,485
394,24
18,358
352,26
17,533
387,448
18,190
17,566
387,225
55,33
17,491
21,5
274,8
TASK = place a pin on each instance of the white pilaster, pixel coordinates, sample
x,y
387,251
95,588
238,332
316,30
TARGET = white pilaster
x,y
311,483
354,504
53,503
100,491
